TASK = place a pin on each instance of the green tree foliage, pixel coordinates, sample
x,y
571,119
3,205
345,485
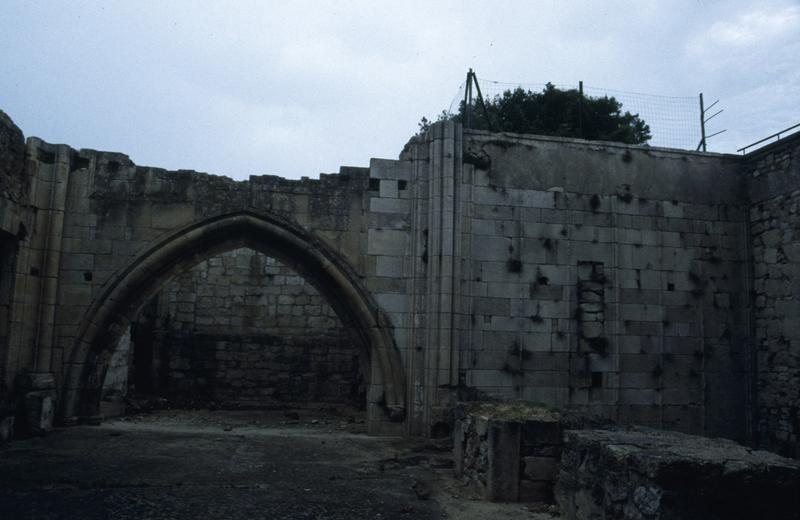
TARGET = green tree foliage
x,y
555,112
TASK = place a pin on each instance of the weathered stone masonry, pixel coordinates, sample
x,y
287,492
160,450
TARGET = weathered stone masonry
x,y
773,174
618,279
108,234
656,230
241,329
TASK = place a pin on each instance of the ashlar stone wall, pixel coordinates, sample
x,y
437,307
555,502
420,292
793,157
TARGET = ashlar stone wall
x,y
98,235
243,329
583,274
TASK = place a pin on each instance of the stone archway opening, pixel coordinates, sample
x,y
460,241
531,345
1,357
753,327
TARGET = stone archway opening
x,y
239,330
113,311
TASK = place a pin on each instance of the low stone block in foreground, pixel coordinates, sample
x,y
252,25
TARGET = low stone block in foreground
x,y
648,474
508,451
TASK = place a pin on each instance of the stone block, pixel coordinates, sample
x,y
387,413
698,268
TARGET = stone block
x,y
481,426
393,302
459,439
537,199
380,205
507,290
483,227
39,407
390,169
491,248
388,188
646,474
496,272
535,491
386,242
638,396
588,251
491,195
502,483
591,329
6,428
390,266
541,432
491,306
540,468
591,307
171,215
77,262
487,379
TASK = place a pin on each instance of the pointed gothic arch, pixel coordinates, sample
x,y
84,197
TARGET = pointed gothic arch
x,y
124,294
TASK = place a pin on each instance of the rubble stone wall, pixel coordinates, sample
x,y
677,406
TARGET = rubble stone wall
x,y
15,184
774,181
647,474
243,328
515,452
508,459
16,219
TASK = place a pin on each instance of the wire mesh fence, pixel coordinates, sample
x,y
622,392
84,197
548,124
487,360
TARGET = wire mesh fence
x,y
674,121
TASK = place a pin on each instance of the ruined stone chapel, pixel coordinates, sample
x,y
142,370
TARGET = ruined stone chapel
x,y
648,286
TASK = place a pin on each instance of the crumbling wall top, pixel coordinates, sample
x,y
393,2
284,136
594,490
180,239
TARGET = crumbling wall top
x,y
12,160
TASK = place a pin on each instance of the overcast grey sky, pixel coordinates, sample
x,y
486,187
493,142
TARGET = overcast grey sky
x,y
299,88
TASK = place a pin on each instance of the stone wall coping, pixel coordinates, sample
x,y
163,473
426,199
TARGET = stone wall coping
x,y
510,412
639,444
587,143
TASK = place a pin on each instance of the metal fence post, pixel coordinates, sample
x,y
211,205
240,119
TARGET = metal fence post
x,y
702,125
580,108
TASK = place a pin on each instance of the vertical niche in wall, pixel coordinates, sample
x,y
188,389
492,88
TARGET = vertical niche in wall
x,y
242,330
593,343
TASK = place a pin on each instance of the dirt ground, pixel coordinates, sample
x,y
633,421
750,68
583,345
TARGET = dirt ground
x,y
312,463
